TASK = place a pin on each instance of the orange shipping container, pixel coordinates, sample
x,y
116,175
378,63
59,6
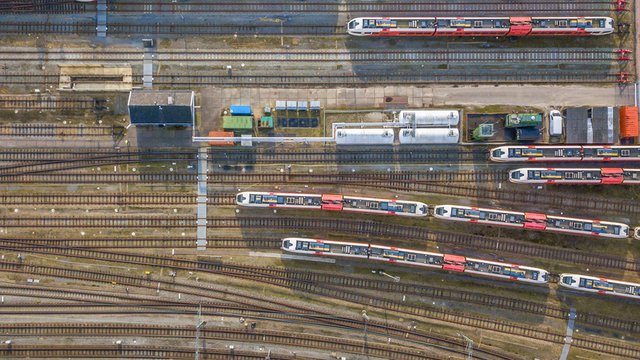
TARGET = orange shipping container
x,y
221,134
629,121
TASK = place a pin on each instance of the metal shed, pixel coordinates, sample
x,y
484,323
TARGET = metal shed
x,y
237,122
161,107
291,105
577,125
430,117
281,105
364,136
315,105
302,106
605,124
429,136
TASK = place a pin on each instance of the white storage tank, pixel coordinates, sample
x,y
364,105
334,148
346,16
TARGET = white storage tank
x,y
429,136
430,117
364,136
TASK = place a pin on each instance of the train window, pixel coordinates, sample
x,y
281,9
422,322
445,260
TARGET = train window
x,y
477,23
411,257
625,152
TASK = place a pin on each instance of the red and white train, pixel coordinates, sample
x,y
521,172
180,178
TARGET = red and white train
x,y
532,221
415,257
600,285
574,176
565,153
481,26
331,202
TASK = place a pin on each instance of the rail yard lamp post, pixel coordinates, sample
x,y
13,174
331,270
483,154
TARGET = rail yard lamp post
x,y
365,318
469,346
198,326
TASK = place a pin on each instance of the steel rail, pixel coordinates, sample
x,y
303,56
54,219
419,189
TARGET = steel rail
x,y
337,293
248,301
50,351
386,7
359,227
433,55
349,80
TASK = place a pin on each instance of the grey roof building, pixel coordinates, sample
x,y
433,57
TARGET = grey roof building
x,y
162,107
598,125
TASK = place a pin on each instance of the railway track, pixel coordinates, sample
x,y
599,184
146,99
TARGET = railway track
x,y
135,351
386,7
28,103
438,182
31,162
56,130
45,6
557,55
250,304
273,276
305,340
361,228
350,79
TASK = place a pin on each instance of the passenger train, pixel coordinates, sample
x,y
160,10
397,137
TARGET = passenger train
x,y
574,176
532,221
566,153
480,26
331,202
414,257
600,285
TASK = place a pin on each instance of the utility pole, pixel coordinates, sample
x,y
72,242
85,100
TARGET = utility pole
x,y
365,318
199,324
469,346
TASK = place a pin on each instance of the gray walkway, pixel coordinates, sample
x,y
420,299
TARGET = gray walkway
x,y
201,237
569,338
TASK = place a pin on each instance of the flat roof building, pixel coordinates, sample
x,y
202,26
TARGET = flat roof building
x,y
162,107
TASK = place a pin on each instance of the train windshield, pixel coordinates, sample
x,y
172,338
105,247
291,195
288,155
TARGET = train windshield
x,y
353,24
567,280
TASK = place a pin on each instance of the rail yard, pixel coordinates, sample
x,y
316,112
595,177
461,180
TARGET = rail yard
x,y
317,180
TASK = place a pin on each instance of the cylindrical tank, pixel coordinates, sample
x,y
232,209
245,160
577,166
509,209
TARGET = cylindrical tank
x,y
429,136
364,136
430,117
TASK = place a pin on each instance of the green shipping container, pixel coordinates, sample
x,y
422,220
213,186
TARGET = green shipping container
x,y
237,122
266,122
522,120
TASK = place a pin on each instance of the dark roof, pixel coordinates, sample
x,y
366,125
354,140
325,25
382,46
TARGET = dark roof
x,y
605,125
576,125
160,97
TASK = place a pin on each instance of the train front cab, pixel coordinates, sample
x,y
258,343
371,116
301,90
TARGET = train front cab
x,y
498,154
516,175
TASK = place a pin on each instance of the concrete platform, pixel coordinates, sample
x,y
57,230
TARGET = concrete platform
x,y
214,100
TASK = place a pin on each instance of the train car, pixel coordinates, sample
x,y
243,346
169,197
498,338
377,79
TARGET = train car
x,y
565,153
610,153
536,153
600,285
531,221
480,26
332,202
326,247
384,206
574,176
416,258
280,200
